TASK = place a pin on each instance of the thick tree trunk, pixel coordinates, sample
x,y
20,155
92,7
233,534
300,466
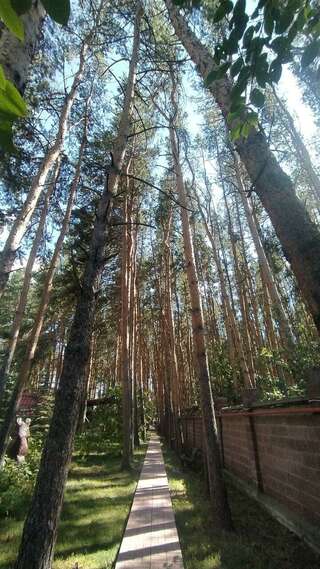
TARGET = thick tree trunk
x,y
15,55
20,225
15,331
40,529
299,237
220,506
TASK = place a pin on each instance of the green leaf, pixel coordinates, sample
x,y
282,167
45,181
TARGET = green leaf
x,y
235,132
246,129
268,21
234,115
284,21
12,104
248,36
310,53
6,137
58,10
230,45
236,67
275,70
21,6
252,118
217,74
280,44
237,104
239,8
212,76
225,8
11,19
257,98
2,78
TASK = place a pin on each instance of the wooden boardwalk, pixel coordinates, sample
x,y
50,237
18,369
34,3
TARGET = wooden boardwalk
x,y
151,539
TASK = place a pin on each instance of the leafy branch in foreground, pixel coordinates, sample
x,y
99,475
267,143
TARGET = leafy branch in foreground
x,y
12,105
256,46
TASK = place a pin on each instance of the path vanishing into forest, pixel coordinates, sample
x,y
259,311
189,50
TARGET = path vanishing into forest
x,y
151,539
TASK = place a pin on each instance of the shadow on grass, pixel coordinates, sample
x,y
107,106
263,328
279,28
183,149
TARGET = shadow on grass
x,y
97,503
259,542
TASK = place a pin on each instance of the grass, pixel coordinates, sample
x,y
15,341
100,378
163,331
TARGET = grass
x,y
97,503
259,542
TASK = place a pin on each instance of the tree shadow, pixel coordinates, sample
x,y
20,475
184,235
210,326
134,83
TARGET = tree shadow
x,y
259,541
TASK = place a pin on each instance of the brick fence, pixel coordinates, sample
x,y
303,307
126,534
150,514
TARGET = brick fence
x,y
274,449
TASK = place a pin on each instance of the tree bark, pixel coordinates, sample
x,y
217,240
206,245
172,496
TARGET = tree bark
x,y
279,312
15,55
126,376
19,227
40,529
15,331
299,237
300,147
26,365
219,501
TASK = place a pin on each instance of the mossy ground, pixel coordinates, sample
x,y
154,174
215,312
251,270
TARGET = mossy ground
x,y
259,542
97,503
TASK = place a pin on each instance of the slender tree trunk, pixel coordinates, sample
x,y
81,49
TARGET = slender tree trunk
x,y
126,380
299,237
40,529
300,148
20,225
15,55
279,311
25,367
15,331
234,337
218,494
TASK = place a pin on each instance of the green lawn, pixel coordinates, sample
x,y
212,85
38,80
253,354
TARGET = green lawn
x,y
98,500
260,542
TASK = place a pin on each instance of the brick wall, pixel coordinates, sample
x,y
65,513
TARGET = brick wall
x,y
275,449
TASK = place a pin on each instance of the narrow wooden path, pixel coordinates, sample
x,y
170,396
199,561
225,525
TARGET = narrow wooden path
x,y
151,539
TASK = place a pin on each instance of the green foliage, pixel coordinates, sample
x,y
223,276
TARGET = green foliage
x,y
12,105
103,427
96,506
17,480
11,19
58,10
263,42
21,6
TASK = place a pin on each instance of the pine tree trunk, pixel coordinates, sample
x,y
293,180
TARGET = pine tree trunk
x,y
20,225
235,342
300,148
16,56
26,365
15,331
40,528
279,312
299,237
127,394
219,501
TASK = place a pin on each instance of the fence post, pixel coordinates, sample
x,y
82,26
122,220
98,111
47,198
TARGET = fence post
x,y
256,453
221,439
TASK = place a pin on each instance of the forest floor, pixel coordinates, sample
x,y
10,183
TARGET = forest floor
x,y
96,507
260,542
